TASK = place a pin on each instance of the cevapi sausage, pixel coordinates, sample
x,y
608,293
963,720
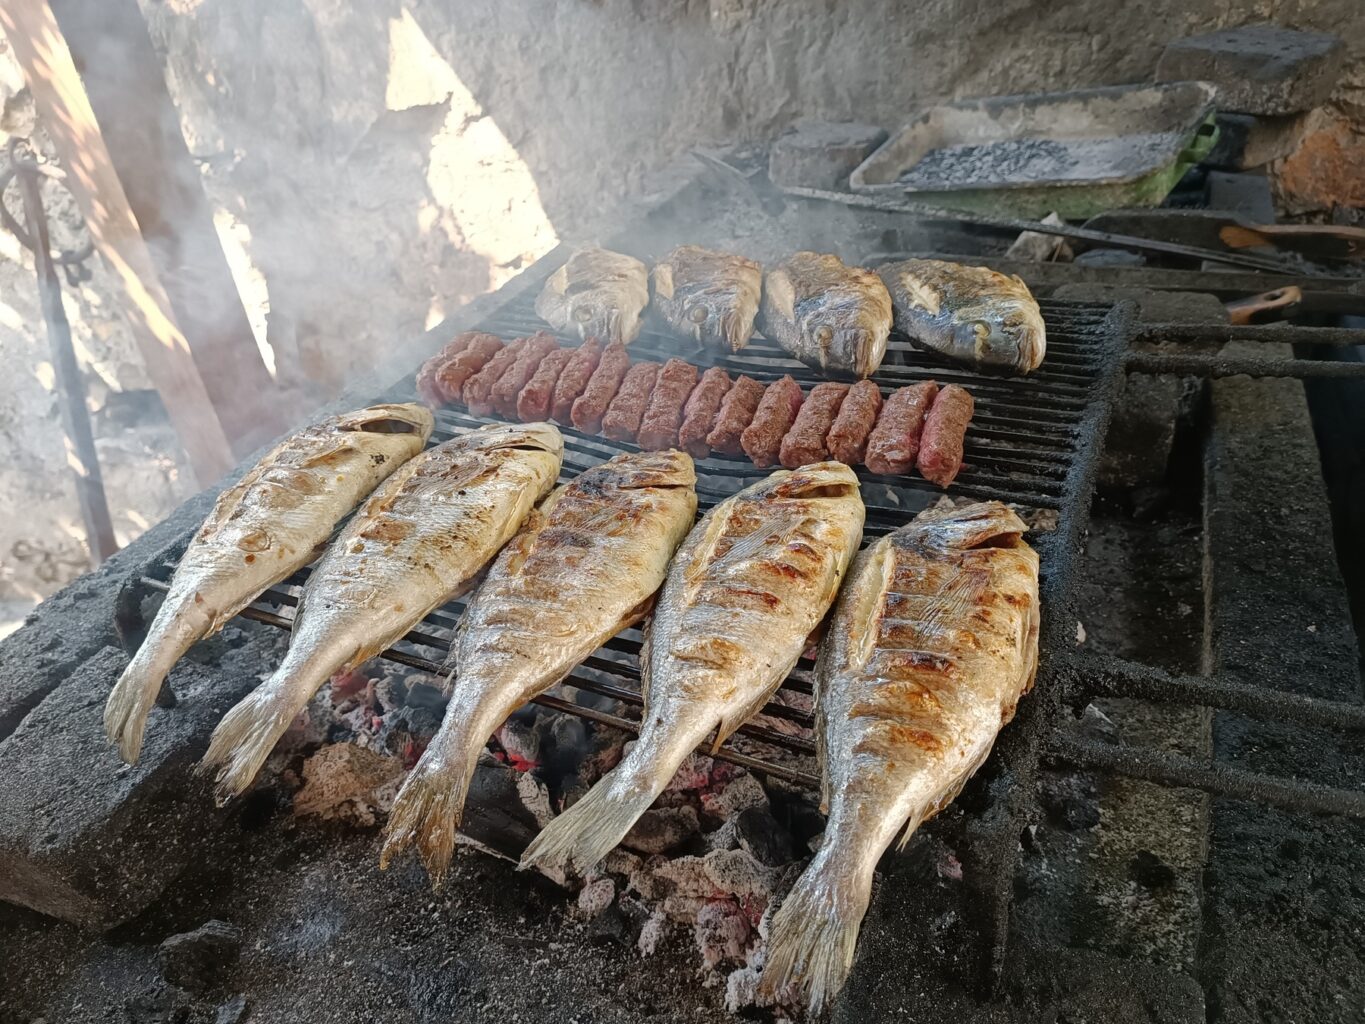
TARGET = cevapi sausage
x,y
627,409
805,442
534,401
478,389
762,439
737,410
589,408
894,441
945,428
452,377
659,427
699,415
574,378
847,437
507,388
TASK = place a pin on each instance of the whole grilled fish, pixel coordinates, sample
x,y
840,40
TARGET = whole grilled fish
x,y
972,315
933,642
745,590
597,294
413,546
585,566
710,296
263,528
826,314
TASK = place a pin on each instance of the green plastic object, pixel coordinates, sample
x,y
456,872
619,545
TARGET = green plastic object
x,y
1076,154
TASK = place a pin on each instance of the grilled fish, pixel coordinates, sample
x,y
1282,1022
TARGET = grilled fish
x,y
745,590
933,642
585,566
411,547
971,315
262,529
710,296
827,315
597,294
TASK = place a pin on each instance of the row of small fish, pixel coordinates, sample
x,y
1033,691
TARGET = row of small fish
x,y
829,315
933,641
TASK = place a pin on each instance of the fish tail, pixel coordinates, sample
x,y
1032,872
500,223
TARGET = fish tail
x,y
431,803
591,828
174,631
815,931
244,739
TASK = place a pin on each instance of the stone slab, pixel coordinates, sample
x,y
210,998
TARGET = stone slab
x,y
1259,69
1246,141
822,154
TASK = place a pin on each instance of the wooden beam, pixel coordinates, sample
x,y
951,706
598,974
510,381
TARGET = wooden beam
x,y
68,119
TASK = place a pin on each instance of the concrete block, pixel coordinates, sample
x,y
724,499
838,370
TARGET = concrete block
x,y
1246,141
1259,69
1244,194
822,154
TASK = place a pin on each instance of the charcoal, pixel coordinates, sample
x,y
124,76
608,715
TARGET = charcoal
x,y
611,926
198,960
763,837
740,792
234,1011
661,829
1149,870
1071,800
424,692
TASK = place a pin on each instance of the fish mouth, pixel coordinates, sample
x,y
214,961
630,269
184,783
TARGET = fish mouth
x,y
525,437
389,419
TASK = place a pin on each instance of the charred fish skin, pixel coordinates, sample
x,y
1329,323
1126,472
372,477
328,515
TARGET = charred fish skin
x,y
263,528
831,316
933,642
712,297
596,294
585,566
971,315
413,546
747,587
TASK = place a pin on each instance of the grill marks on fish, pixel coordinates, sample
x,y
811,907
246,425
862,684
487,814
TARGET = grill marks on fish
x,y
933,642
972,315
261,529
745,590
414,545
584,567
597,293
831,316
710,296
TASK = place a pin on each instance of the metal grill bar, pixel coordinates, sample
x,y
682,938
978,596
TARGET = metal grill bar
x,y
1217,366
1172,770
1292,334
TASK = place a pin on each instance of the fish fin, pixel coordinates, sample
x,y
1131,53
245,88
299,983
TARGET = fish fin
x,y
244,739
430,805
922,294
663,280
814,934
591,828
733,719
781,296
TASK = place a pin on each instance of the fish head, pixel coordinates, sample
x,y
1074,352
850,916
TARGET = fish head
x,y
633,470
1008,334
839,339
594,314
385,418
541,437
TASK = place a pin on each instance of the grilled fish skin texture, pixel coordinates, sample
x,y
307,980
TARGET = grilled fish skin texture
x,y
971,315
751,581
710,296
262,529
585,566
828,315
933,642
597,293
413,546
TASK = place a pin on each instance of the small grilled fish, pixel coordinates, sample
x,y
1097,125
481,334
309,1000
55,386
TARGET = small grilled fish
x,y
826,314
585,566
413,546
263,528
933,642
710,296
598,294
745,590
972,315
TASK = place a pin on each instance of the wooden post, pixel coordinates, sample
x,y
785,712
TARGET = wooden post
x,y
61,101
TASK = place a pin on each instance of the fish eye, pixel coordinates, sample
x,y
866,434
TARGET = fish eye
x,y
582,314
982,329
824,334
697,314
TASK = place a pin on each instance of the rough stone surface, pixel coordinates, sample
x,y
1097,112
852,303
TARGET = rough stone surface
x,y
1259,69
822,154
1246,141
199,959
1325,170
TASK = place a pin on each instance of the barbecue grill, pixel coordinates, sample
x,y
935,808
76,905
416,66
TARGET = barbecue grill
x,y
1035,442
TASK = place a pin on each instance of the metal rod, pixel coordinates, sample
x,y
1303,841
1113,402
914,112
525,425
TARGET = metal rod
x,y
1101,675
1217,366
1293,334
1173,770
922,211
80,440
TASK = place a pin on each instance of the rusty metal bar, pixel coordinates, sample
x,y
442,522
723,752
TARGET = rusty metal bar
x,y
1218,366
1293,334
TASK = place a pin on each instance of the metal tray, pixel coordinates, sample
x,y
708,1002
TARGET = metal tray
x,y
1073,153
